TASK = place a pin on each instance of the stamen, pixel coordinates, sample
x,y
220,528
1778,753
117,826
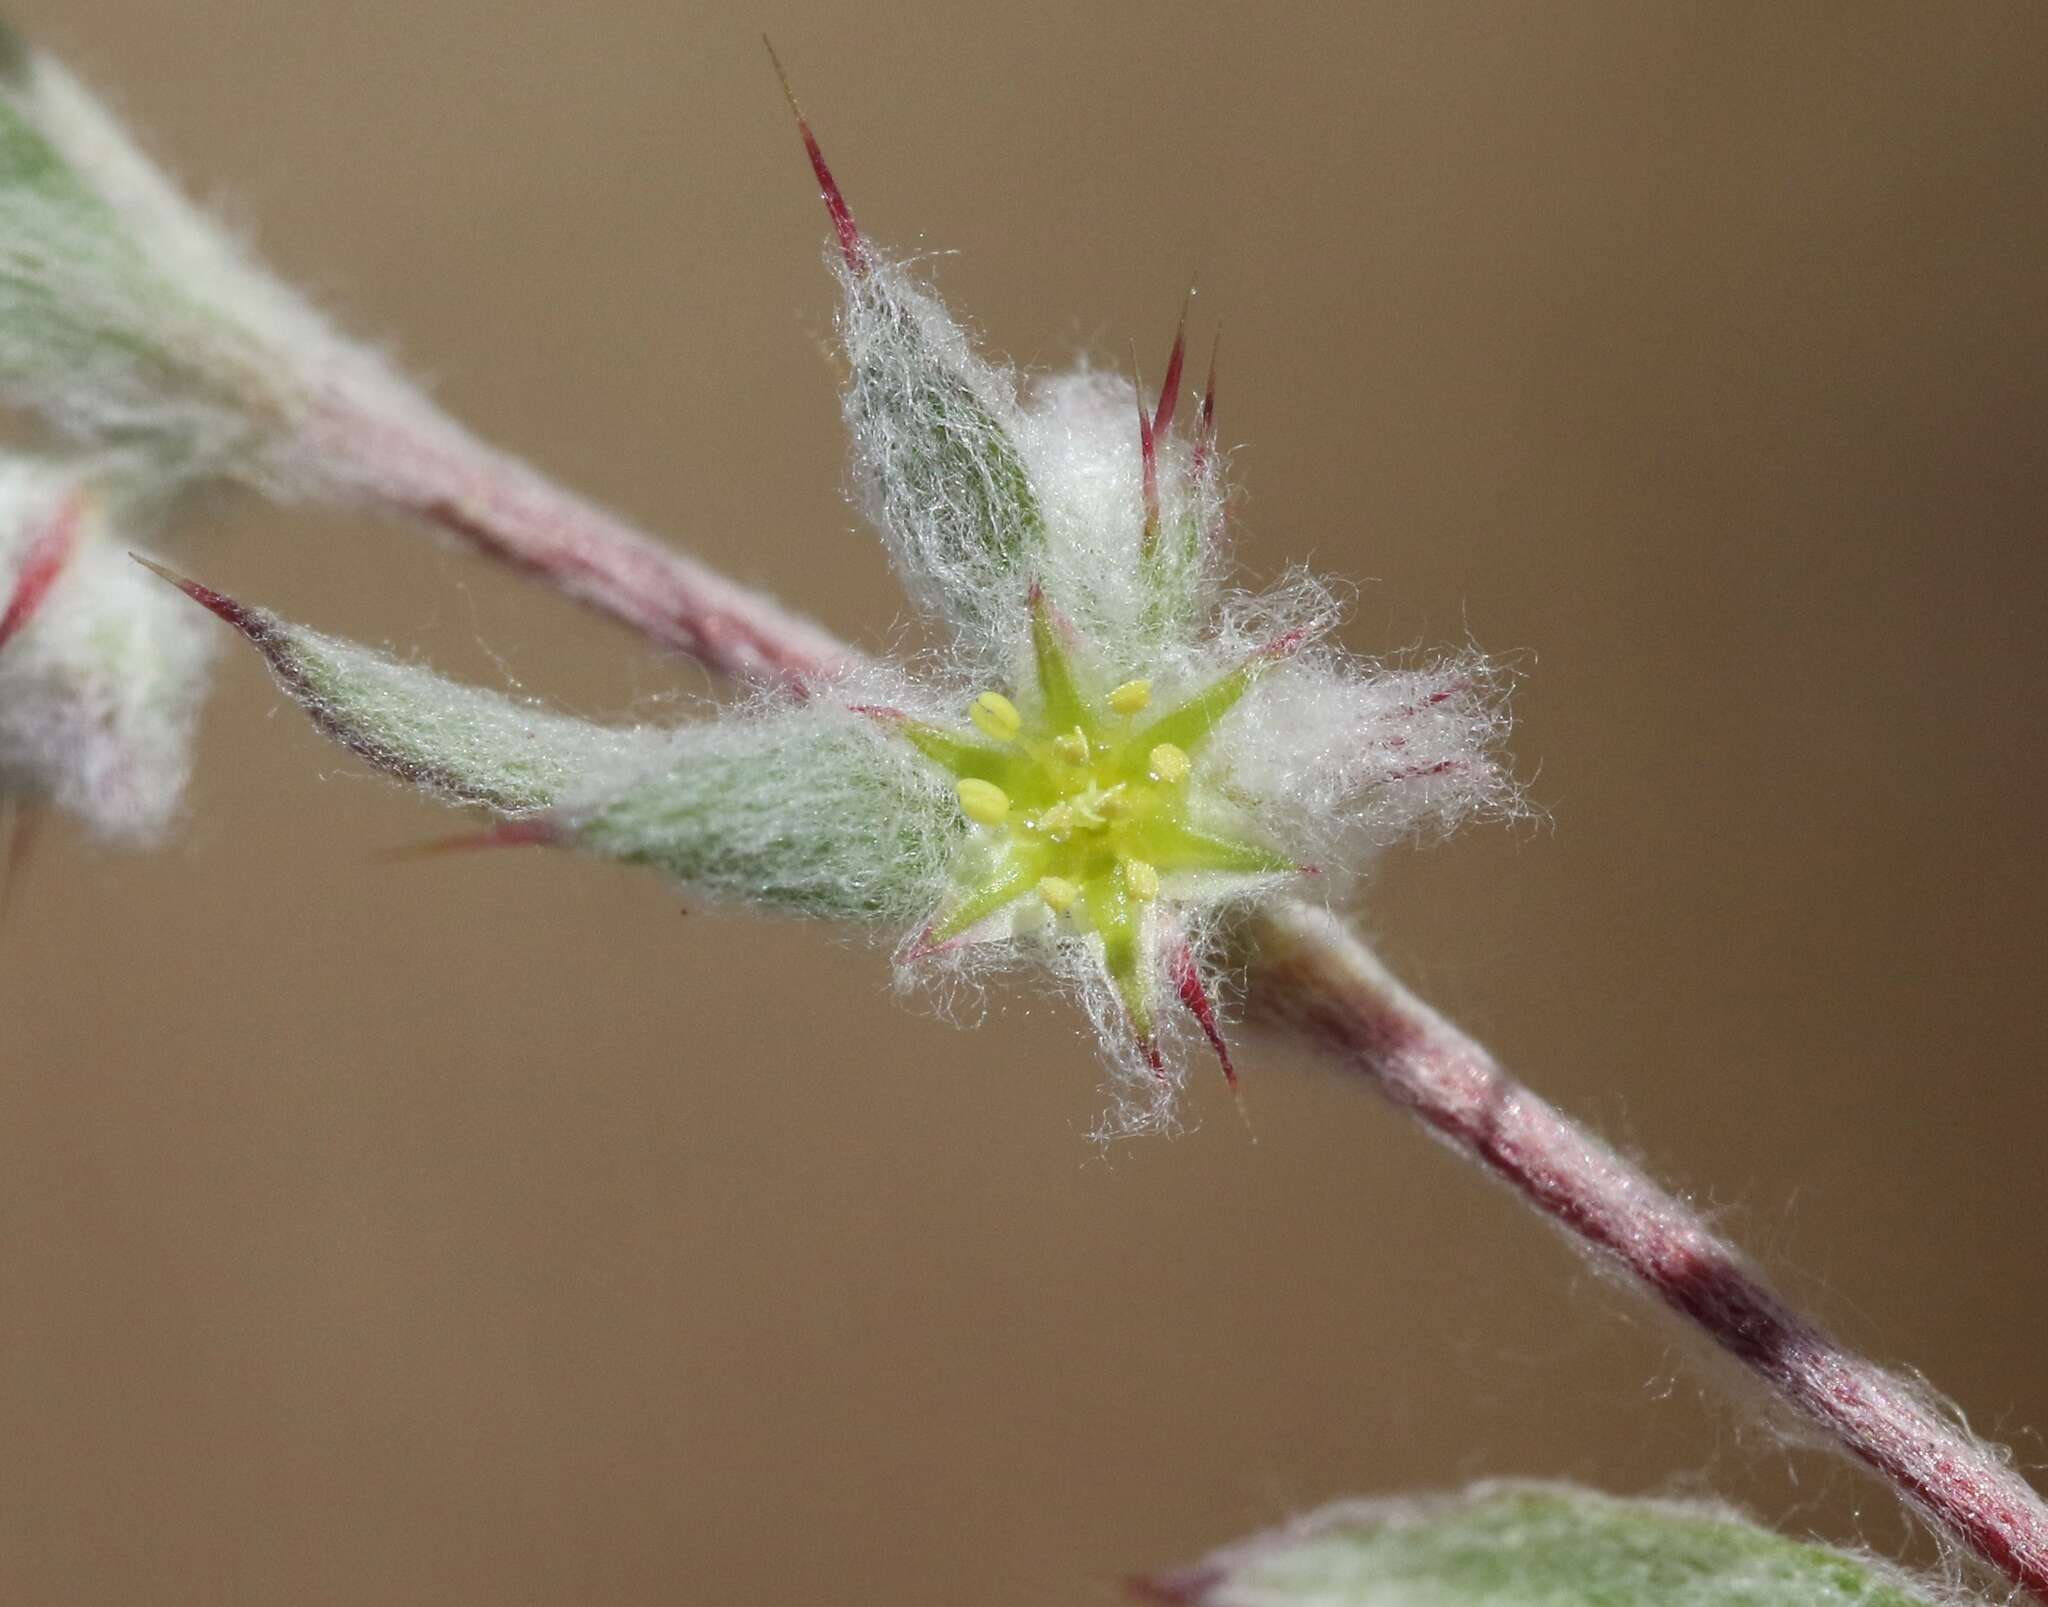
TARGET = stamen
x,y
983,802
996,716
1059,893
1132,697
1072,746
1141,880
1168,765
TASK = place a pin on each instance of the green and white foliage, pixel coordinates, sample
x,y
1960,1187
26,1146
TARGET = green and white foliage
x,y
1535,1545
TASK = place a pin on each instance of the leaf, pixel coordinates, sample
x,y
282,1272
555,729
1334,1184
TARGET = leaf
x,y
1532,1545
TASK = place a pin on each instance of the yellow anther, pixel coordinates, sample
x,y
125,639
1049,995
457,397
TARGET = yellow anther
x,y
996,715
1059,893
1142,880
1168,765
984,802
1072,747
1131,697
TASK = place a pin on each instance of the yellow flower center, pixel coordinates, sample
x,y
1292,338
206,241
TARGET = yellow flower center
x,y
1083,802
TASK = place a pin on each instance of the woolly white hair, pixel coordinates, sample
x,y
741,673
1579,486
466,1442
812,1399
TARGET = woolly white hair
x,y
100,688
126,311
801,806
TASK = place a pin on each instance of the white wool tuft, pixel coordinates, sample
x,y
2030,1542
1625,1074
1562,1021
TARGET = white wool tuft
x,y
1080,439
100,689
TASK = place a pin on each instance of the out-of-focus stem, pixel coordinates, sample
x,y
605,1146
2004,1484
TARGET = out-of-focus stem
x,y
412,461
1316,977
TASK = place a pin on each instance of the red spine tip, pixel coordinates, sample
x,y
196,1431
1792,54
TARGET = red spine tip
x,y
851,246
1169,392
250,622
1148,452
47,555
1205,436
1187,979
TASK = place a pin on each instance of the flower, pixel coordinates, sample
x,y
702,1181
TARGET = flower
x,y
1112,760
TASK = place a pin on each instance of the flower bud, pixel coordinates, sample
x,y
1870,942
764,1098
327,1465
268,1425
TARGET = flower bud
x,y
101,672
935,428
799,807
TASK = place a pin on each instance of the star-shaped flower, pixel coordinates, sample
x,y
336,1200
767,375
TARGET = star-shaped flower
x,y
1113,757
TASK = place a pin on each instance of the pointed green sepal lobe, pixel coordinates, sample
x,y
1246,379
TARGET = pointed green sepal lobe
x,y
1188,725
960,756
1180,847
1120,920
1057,688
1012,876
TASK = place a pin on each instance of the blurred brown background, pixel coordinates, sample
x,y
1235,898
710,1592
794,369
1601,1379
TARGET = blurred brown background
x,y
480,1231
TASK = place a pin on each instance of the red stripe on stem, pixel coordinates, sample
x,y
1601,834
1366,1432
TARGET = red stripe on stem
x,y
1318,978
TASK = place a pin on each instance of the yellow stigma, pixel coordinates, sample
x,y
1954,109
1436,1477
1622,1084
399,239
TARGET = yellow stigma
x,y
1142,880
996,715
1131,697
1168,765
1059,893
984,802
1072,746
1058,822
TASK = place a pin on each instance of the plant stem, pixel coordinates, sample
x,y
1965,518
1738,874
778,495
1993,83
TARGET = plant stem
x,y
415,462
1314,975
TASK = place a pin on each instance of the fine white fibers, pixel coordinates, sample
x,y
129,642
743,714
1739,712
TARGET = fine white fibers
x,y
101,685
1079,439
934,444
1340,758
126,311
807,807
464,744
